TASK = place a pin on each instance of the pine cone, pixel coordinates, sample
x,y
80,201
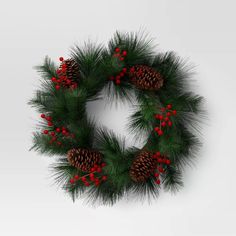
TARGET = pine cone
x,y
142,167
145,77
84,159
70,69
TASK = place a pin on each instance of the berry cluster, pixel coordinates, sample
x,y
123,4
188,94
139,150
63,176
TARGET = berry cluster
x,y
94,177
117,78
162,161
120,55
62,80
164,118
56,133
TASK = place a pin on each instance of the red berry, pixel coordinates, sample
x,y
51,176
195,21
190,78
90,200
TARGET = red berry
x,y
83,179
72,181
61,59
159,160
104,178
117,49
169,106
92,169
168,113
53,79
95,166
160,117
156,129
64,132
53,133
122,74
74,86
157,116
163,109
158,154
160,132
132,70
45,131
163,124
50,123
97,183
166,118
59,143
43,116
122,58
167,162
118,82
99,169
103,164
97,180
124,70
54,139
58,130
86,184
49,118
160,169
124,53
156,174
91,175
158,181
117,77
57,87
169,123
174,112
76,177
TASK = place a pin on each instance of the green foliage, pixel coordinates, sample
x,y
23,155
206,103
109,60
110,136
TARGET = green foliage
x,y
68,108
89,60
175,71
63,104
172,179
139,46
142,120
113,150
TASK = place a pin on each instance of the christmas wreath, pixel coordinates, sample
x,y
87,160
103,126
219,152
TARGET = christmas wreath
x,y
93,161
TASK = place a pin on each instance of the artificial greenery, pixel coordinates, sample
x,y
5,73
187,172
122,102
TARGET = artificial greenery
x,y
67,108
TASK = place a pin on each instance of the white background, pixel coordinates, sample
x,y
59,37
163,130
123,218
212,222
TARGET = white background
x,y
203,31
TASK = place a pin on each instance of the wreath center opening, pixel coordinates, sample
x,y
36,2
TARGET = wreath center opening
x,y
115,117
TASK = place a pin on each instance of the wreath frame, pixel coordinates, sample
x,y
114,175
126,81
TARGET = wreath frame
x,y
66,107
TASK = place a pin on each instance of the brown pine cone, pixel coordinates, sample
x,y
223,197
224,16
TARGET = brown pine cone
x,y
70,69
145,77
142,167
84,159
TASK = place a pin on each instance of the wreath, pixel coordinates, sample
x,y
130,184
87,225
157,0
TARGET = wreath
x,y
93,161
